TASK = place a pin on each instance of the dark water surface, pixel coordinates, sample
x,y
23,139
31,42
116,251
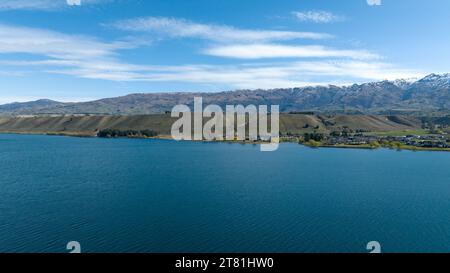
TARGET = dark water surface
x,y
136,195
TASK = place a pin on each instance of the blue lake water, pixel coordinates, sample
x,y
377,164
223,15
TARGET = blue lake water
x,y
137,195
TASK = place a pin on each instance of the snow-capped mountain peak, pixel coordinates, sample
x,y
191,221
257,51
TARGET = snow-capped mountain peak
x,y
404,83
436,80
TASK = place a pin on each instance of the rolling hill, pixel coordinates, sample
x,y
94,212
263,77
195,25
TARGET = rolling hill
x,y
162,123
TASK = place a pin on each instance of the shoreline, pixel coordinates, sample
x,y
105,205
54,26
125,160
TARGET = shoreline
x,y
403,148
168,137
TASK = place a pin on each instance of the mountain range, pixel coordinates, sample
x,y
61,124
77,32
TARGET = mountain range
x,y
430,94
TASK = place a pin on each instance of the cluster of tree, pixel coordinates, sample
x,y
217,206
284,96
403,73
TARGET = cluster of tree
x,y
391,144
375,145
112,133
336,134
313,136
306,126
289,134
312,143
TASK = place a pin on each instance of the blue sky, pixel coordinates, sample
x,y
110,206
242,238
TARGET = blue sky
x,y
105,48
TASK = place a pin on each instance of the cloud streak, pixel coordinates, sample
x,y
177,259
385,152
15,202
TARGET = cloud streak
x,y
317,16
181,28
260,51
15,39
269,75
58,50
45,5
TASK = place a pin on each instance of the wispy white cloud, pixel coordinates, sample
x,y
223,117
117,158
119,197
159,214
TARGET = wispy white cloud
x,y
29,4
266,75
317,16
374,2
47,5
57,45
88,57
259,51
181,28
83,53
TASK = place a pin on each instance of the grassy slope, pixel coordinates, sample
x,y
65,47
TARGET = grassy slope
x,y
296,124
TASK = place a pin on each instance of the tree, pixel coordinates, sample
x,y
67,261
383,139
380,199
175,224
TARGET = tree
x,y
113,133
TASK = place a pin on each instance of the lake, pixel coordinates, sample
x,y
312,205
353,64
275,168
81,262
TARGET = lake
x,y
141,195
